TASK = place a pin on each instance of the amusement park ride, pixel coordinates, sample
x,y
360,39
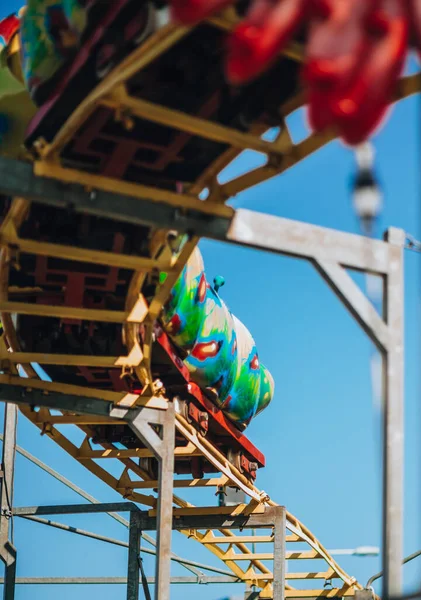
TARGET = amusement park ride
x,y
103,209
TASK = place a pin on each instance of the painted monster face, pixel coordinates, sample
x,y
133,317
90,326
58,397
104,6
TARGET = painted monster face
x,y
184,312
241,402
222,355
212,359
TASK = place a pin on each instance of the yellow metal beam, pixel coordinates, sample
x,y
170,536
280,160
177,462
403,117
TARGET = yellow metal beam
x,y
135,190
190,124
66,360
326,593
178,483
118,398
149,51
79,420
326,575
304,555
407,86
64,312
298,152
97,257
242,539
86,454
56,436
252,539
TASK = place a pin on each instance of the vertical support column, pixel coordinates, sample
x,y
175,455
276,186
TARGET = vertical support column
x,y
133,575
393,423
7,550
165,507
279,554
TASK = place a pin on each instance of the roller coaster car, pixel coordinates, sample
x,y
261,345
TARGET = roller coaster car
x,y
188,77
58,282
200,411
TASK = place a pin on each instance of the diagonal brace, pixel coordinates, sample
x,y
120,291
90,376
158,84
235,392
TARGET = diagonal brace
x,y
355,301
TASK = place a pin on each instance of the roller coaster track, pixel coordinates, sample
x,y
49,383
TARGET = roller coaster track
x,y
134,482
132,477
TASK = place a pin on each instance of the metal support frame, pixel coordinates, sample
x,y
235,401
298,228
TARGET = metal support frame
x,y
165,501
330,251
8,552
179,519
230,517
393,437
141,420
181,580
279,554
192,566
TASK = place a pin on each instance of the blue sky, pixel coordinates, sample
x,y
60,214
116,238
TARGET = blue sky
x,y
321,433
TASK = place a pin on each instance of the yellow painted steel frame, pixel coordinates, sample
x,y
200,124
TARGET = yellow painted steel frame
x,y
282,153
134,482
230,548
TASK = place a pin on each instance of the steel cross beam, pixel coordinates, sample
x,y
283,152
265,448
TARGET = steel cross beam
x,y
331,252
183,519
211,517
17,178
181,580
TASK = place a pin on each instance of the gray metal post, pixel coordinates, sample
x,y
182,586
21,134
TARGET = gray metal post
x,y
7,550
279,553
393,432
165,505
133,576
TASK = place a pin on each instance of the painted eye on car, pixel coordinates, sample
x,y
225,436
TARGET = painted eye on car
x,y
206,350
254,363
